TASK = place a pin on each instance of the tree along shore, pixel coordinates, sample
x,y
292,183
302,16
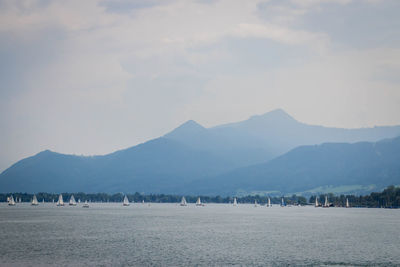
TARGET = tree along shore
x,y
388,198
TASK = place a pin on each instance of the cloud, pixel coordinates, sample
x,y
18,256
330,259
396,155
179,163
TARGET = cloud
x,y
353,92
308,3
127,6
94,76
281,34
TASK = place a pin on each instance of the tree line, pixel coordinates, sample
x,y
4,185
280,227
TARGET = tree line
x,y
388,198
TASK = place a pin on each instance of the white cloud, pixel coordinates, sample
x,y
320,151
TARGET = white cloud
x,y
118,75
282,34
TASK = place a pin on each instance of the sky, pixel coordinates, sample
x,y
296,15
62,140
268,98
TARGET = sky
x,y
91,77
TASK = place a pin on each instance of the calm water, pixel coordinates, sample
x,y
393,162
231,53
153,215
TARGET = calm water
x,y
217,234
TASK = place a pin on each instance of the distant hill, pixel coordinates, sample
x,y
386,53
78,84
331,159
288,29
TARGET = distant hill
x,y
309,167
173,162
155,166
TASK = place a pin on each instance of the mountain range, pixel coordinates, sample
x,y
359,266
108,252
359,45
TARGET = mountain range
x,y
353,168
266,153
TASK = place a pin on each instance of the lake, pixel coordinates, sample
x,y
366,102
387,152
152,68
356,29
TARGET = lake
x,y
216,234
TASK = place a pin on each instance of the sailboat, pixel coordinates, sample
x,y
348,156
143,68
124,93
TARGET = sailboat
x,y
11,201
183,202
283,203
34,201
347,203
85,205
326,204
234,202
60,201
269,202
72,201
126,201
316,202
198,202
43,200
255,203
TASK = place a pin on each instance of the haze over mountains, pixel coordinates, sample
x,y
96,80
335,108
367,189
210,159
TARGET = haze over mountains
x,y
263,137
357,167
227,159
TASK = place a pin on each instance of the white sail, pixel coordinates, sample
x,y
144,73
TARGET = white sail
x,y
34,201
269,202
11,201
234,202
326,204
183,202
282,203
316,201
198,202
72,201
86,204
347,203
126,201
255,203
60,201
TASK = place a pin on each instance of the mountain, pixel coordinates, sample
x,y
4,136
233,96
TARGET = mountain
x,y
349,166
173,162
264,137
238,148
154,166
279,132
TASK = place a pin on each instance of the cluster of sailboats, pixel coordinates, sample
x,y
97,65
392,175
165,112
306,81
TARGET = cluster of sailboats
x,y
72,202
11,201
198,202
60,201
268,204
326,204
125,202
235,203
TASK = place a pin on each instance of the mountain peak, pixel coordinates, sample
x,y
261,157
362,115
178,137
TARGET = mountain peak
x,y
45,152
189,127
191,123
276,114
278,111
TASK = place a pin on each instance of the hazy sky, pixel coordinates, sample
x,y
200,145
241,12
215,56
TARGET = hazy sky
x,y
91,77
